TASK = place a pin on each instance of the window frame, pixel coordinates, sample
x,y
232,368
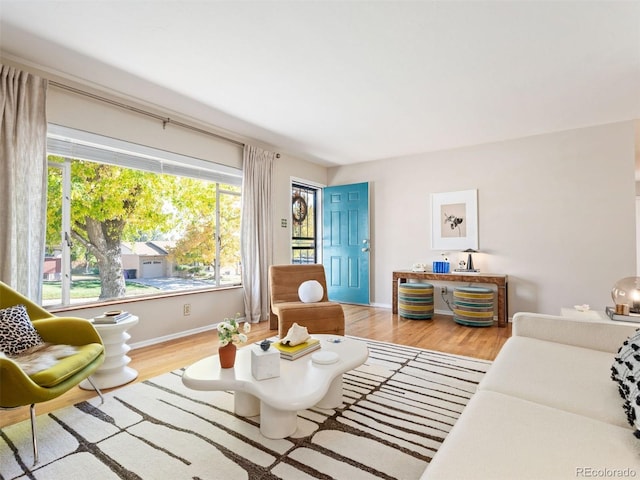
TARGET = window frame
x,y
71,144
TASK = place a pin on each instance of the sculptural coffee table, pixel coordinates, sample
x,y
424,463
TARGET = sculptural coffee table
x,y
302,383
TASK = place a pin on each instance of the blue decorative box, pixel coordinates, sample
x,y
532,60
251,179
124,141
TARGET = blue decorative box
x,y
440,267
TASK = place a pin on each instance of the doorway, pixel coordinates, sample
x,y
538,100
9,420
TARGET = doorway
x,y
346,244
304,221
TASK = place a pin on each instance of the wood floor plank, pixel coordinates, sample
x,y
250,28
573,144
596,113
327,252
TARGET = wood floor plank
x,y
441,334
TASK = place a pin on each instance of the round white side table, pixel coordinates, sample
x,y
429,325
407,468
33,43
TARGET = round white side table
x,y
115,370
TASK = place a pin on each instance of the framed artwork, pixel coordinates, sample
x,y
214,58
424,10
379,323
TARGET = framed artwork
x,y
454,220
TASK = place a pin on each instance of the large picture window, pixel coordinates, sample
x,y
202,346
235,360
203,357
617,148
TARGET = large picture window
x,y
125,220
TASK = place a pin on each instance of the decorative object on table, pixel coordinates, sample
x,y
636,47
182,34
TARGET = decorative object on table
x,y
229,335
227,355
454,220
325,357
582,308
112,316
627,292
441,267
310,291
622,309
295,336
468,265
419,267
288,352
265,362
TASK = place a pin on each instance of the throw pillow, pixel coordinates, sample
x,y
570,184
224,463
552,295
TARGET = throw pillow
x,y
626,372
17,333
310,291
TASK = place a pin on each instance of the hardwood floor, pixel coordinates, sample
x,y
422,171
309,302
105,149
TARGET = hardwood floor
x,y
441,334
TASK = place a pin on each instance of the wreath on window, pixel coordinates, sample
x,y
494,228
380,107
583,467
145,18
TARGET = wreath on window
x,y
298,209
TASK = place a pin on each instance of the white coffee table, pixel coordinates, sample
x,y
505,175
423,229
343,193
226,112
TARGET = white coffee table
x,y
302,384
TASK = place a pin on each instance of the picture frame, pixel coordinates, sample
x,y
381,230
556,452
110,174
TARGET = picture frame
x,y
454,220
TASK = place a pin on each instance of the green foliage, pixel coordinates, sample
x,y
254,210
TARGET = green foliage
x,y
111,205
113,196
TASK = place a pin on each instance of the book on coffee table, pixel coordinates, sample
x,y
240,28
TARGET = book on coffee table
x,y
291,353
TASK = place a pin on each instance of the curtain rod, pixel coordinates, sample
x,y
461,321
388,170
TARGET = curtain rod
x,y
164,120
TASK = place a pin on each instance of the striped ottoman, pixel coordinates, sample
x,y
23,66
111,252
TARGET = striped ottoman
x,y
473,306
415,301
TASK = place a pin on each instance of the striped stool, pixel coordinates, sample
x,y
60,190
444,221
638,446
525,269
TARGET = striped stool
x,y
473,306
415,301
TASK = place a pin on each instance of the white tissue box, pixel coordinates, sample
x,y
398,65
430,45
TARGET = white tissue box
x,y
264,364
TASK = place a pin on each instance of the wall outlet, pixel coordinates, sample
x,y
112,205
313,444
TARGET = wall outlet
x,y
444,290
186,309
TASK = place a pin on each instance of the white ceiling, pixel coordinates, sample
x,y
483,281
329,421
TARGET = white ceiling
x,y
350,81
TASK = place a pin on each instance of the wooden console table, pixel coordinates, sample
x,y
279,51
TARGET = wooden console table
x,y
501,281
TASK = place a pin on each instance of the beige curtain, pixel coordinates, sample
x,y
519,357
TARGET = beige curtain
x,y
256,231
23,180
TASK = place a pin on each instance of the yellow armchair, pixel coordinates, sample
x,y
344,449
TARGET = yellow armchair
x,y
17,388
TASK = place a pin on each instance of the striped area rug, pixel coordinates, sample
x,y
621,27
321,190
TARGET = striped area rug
x,y
397,409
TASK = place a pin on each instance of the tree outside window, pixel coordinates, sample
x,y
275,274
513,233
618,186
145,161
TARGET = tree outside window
x,y
123,217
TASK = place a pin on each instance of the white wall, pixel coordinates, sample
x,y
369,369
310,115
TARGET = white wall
x,y
556,213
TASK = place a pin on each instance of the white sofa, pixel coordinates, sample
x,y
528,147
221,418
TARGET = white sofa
x,y
546,409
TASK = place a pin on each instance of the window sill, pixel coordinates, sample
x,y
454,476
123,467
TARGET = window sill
x,y
141,298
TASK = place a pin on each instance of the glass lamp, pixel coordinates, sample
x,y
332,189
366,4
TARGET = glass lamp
x,y
627,292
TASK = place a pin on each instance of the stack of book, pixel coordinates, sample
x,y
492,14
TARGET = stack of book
x,y
114,316
291,353
632,317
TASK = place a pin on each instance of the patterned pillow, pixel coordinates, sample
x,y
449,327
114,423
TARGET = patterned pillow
x,y
16,331
626,372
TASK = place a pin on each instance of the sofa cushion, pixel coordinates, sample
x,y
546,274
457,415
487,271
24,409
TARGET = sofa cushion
x,y
17,333
562,376
625,371
503,437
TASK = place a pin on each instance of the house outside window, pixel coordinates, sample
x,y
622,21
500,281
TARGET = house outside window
x,y
125,220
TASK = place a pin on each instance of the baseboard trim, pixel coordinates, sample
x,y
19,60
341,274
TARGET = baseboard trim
x,y
175,336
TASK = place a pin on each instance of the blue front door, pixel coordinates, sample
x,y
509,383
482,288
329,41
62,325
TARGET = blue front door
x,y
346,243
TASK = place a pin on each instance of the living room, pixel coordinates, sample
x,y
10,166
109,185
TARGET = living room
x,y
547,202
556,193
